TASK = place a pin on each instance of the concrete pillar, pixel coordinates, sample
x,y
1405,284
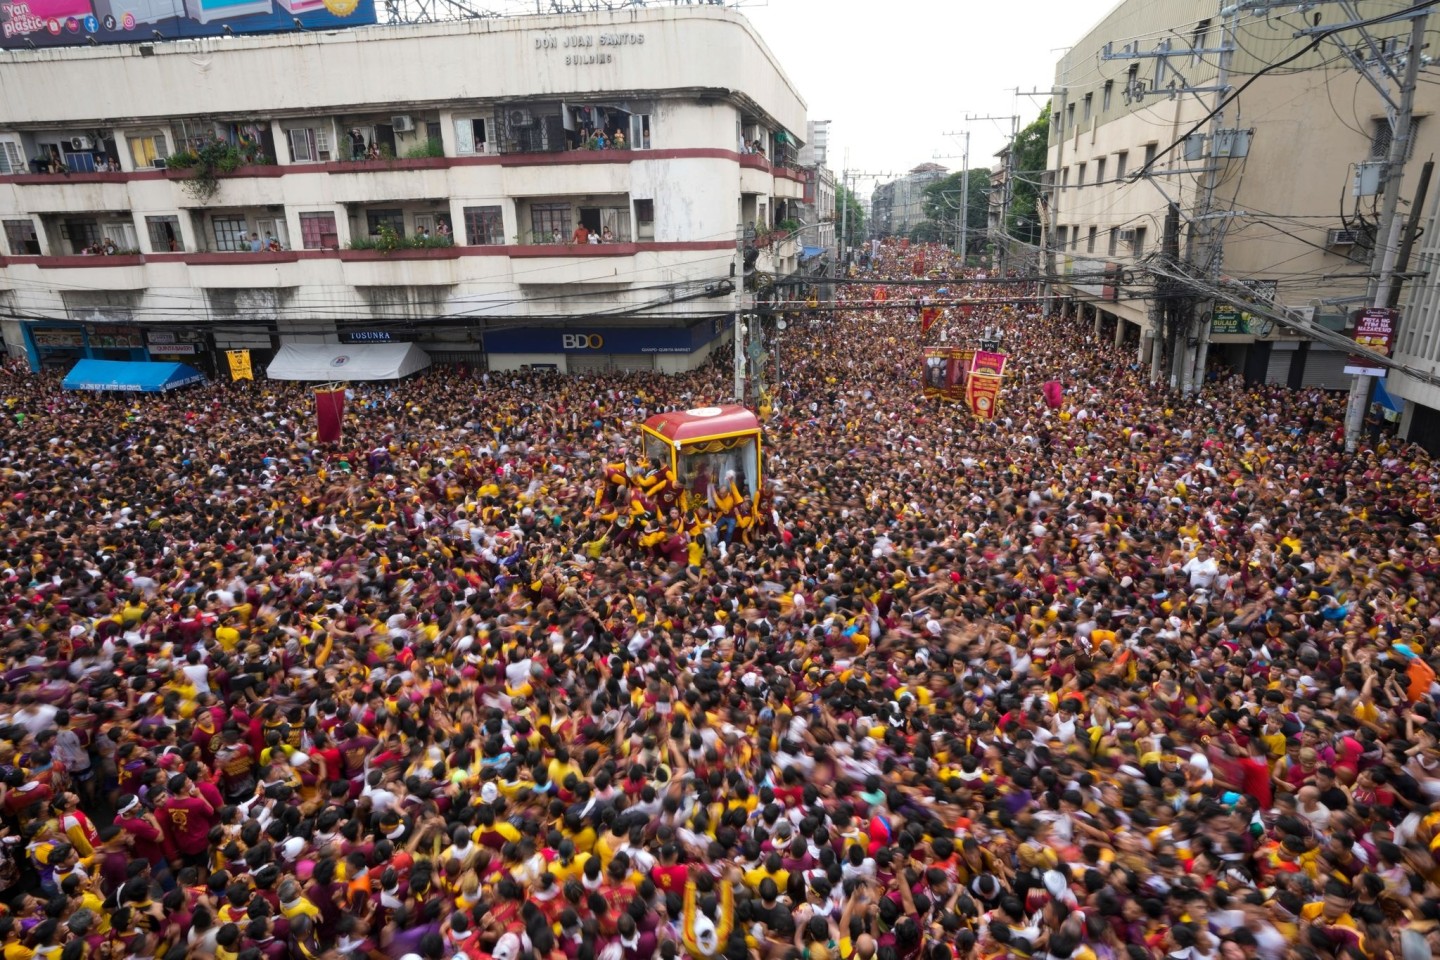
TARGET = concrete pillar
x,y
1098,315
1119,331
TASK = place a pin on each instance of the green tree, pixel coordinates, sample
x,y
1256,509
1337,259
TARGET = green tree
x,y
1032,150
854,223
942,208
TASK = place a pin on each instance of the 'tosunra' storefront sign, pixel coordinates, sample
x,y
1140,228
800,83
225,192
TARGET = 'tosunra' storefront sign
x,y
586,49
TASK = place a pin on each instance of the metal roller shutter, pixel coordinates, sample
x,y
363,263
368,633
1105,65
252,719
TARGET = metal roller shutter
x,y
1278,370
595,363
1326,369
632,362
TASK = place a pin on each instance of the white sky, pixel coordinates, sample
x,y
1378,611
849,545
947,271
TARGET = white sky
x,y
894,76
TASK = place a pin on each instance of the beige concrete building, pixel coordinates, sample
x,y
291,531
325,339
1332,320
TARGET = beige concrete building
x,y
423,182
1290,225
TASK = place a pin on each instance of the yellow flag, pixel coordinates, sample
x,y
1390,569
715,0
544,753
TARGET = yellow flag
x,y
239,364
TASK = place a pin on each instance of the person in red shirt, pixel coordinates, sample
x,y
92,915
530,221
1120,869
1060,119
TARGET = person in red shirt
x,y
670,875
187,817
148,840
1255,774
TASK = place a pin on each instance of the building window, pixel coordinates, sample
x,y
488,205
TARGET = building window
x,y
644,219
1070,117
318,231
1149,155
394,219
1121,159
1114,247
192,134
471,137
550,223
1090,241
484,226
121,233
1137,246
1197,40
1100,171
1085,118
309,145
144,151
639,136
231,234
12,158
1075,237
1080,175
1065,177
1105,95
20,238
1380,140
164,234
1060,237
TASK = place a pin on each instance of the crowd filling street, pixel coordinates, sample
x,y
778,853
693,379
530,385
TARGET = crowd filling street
x,y
1132,677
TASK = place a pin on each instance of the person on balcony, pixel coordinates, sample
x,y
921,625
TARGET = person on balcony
x,y
581,235
607,236
357,144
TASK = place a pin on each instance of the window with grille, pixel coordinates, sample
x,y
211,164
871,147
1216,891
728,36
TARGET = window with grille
x,y
164,234
82,235
144,151
318,231
1121,159
192,134
1380,139
1149,154
1100,172
394,219
471,136
484,226
20,238
1114,247
12,158
309,145
1090,241
1080,175
549,219
231,234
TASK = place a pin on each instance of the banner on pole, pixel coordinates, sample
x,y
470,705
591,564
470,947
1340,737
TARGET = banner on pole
x,y
982,393
944,373
329,414
987,363
1373,329
928,316
239,364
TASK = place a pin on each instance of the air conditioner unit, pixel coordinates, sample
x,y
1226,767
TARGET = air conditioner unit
x,y
519,118
81,143
402,124
1339,237
1127,236
158,163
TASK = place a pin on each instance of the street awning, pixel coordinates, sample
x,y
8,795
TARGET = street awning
x,y
1386,401
810,253
130,376
325,362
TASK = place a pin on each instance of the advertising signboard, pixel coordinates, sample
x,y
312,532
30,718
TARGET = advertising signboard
x,y
1374,329
58,23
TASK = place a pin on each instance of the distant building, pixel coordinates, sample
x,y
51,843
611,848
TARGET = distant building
x,y
899,206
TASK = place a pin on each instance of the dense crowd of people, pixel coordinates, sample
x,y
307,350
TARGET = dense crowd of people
x,y
1136,677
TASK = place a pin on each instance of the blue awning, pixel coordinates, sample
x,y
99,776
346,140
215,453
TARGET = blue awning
x,y
810,253
130,376
1385,400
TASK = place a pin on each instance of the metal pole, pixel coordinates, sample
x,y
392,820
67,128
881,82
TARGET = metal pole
x,y
844,219
965,200
1192,366
1054,218
1383,264
740,316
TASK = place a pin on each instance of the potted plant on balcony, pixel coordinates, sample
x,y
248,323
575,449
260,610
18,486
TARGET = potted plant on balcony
x,y
205,165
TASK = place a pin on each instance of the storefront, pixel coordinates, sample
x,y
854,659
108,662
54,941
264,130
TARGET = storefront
x,y
586,349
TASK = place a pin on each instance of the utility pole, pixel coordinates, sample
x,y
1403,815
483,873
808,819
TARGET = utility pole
x,y
1391,174
739,295
962,219
1189,348
1008,186
1052,219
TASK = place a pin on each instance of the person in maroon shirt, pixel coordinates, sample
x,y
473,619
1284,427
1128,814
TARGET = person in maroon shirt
x,y
187,817
148,840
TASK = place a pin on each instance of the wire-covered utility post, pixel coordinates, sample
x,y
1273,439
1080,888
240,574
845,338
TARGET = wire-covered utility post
x,y
1392,174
